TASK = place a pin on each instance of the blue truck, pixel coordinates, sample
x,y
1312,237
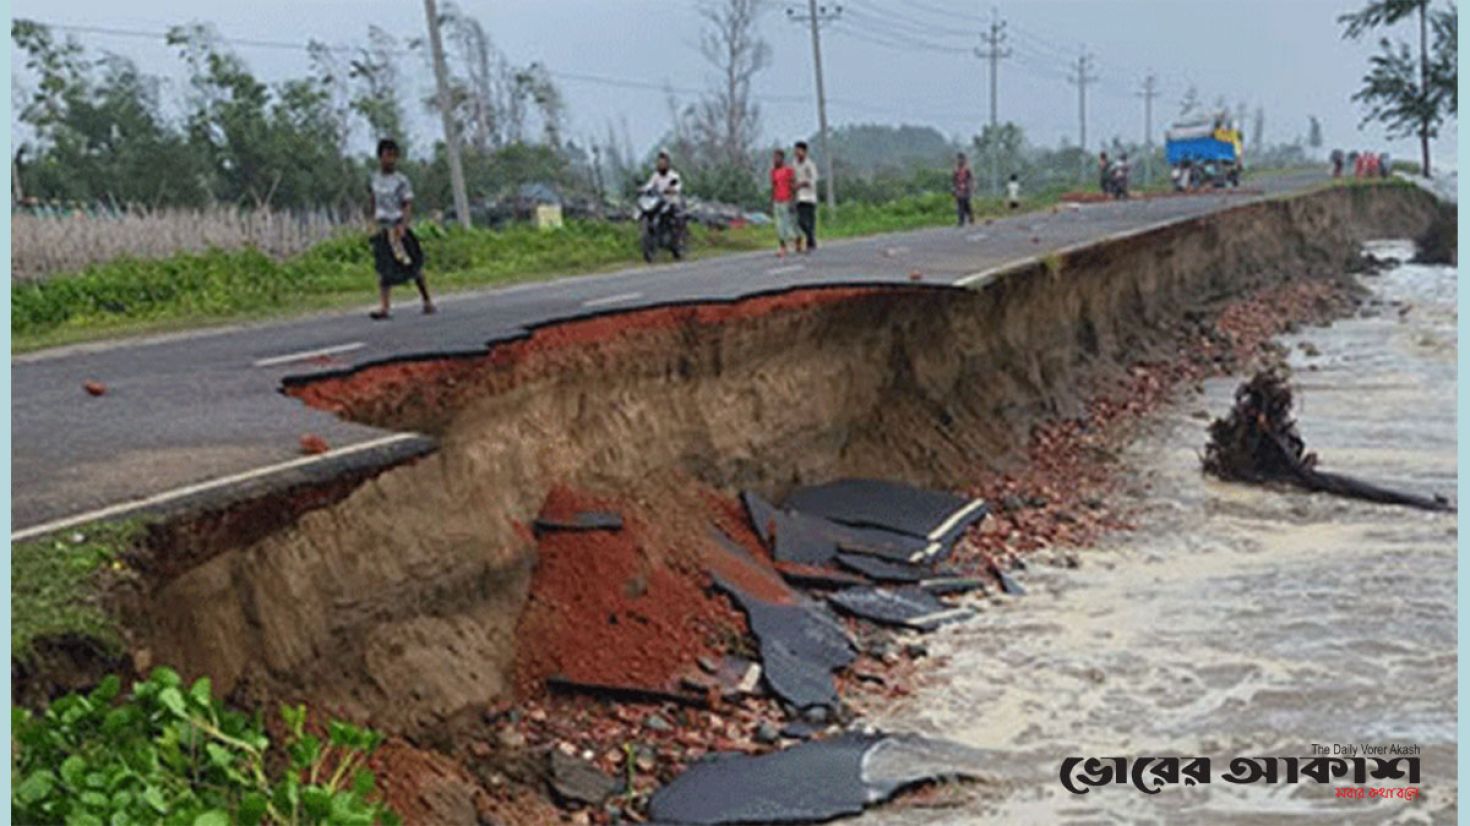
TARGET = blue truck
x,y
1204,153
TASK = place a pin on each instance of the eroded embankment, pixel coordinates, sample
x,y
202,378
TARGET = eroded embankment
x,y
397,603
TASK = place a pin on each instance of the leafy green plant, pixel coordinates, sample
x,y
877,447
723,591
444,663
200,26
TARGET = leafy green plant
x,y
171,754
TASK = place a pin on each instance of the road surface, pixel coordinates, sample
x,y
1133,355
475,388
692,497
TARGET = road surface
x,y
195,413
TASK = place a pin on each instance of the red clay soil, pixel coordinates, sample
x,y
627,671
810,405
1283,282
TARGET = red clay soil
x,y
615,608
375,393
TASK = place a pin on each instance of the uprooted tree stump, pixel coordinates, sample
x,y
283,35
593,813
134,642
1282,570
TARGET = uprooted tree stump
x,y
1258,442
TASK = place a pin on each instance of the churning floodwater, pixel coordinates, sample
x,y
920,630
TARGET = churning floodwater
x,y
1236,620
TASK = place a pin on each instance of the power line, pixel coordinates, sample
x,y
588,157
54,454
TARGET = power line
x,y
912,26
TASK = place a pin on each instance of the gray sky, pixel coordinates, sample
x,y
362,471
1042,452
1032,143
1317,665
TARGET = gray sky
x,y
1284,55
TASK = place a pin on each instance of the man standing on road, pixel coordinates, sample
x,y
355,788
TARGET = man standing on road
x,y
396,251
783,189
964,187
1103,167
806,198
1013,192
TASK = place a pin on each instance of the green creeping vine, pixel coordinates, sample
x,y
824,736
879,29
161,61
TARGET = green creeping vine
x,y
174,755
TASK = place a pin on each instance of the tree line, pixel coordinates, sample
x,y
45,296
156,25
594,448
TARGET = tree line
x,y
98,130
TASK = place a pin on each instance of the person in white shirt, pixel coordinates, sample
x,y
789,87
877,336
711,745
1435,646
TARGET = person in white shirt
x,y
806,198
665,180
1013,192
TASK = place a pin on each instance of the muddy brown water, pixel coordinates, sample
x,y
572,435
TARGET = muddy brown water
x,y
1236,621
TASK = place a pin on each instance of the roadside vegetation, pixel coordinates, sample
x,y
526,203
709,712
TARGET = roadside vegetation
x,y
55,584
161,752
167,753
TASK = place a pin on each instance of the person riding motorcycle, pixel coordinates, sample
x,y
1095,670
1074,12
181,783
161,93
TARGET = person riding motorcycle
x,y
666,184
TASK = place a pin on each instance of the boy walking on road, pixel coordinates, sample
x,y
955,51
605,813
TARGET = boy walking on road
x,y
964,187
806,198
396,251
783,189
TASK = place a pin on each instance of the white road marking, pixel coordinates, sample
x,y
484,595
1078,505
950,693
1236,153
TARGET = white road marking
x,y
611,299
310,354
785,269
201,487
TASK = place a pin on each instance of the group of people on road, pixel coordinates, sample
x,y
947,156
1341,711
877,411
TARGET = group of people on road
x,y
794,199
1364,164
399,259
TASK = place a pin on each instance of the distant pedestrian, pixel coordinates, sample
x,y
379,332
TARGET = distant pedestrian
x,y
1385,165
1103,170
1336,159
1013,192
1359,161
396,251
806,198
783,192
964,188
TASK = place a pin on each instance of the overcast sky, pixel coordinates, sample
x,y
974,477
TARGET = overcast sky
x,y
890,61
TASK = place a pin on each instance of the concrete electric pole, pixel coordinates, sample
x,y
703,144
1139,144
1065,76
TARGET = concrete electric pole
x,y
451,136
995,51
1148,93
817,15
1083,76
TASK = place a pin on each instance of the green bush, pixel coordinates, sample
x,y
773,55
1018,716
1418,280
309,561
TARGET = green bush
x,y
172,755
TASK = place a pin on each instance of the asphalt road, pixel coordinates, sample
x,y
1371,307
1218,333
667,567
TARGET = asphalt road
x,y
187,411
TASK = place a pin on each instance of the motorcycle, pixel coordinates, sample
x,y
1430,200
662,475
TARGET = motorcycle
x,y
661,225
1118,180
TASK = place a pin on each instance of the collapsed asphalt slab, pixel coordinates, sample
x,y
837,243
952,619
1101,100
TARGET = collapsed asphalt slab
x,y
800,646
908,606
811,782
936,516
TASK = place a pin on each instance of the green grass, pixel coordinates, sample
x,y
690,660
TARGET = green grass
x,y
54,581
131,296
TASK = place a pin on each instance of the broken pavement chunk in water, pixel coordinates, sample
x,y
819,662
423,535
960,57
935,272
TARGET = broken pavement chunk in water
x,y
1008,584
933,515
908,606
813,781
580,521
810,782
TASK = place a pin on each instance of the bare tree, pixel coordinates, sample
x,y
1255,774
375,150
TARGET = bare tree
x,y
727,121
374,70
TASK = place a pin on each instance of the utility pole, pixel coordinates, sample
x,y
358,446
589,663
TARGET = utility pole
x,y
1149,92
451,136
817,15
995,52
1084,76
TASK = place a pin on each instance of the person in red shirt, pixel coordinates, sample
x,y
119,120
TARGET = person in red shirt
x,y
783,191
964,187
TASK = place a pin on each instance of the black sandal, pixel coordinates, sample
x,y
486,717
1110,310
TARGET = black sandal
x,y
379,315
